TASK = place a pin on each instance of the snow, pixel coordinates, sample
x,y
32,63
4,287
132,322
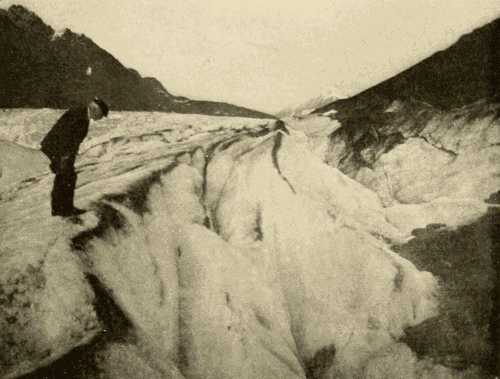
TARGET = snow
x,y
336,275
306,107
440,168
230,247
46,302
448,212
18,163
316,129
58,34
395,106
398,361
434,173
235,320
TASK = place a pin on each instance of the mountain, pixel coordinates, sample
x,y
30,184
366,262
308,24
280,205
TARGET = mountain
x,y
310,105
467,71
41,68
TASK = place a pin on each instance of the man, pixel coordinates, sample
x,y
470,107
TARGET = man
x,y
61,145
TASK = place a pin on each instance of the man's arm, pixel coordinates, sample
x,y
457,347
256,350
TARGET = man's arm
x,y
60,139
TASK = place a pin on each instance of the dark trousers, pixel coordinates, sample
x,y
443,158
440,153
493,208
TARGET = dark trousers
x,y
63,191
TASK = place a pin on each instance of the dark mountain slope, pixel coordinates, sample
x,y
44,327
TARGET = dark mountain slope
x,y
41,69
467,71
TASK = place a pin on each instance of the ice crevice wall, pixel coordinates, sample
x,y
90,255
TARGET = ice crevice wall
x,y
274,287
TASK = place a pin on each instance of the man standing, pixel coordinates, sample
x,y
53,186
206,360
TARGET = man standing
x,y
61,146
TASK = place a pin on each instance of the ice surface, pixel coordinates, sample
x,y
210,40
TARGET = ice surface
x,y
19,163
438,167
230,248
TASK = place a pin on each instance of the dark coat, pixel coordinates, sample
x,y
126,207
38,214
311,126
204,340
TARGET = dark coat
x,y
67,134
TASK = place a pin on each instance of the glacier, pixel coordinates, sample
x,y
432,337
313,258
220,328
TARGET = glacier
x,y
214,247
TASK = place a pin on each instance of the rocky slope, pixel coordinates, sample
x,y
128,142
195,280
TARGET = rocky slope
x,y
162,278
466,72
40,68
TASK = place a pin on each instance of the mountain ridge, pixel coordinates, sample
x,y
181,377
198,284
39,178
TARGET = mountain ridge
x,y
42,68
465,72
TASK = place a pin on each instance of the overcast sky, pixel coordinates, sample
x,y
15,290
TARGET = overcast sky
x,y
267,54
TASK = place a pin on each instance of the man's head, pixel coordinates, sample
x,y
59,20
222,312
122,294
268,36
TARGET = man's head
x,y
98,109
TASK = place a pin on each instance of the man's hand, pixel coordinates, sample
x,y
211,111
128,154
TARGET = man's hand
x,y
65,163
62,164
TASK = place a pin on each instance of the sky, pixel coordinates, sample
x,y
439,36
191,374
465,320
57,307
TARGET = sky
x,y
267,54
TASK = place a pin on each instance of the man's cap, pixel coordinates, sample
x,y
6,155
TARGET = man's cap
x,y
104,107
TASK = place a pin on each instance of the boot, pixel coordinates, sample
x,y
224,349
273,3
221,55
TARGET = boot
x,y
77,211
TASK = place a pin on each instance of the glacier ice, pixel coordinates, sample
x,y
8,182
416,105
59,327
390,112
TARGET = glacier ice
x,y
230,247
